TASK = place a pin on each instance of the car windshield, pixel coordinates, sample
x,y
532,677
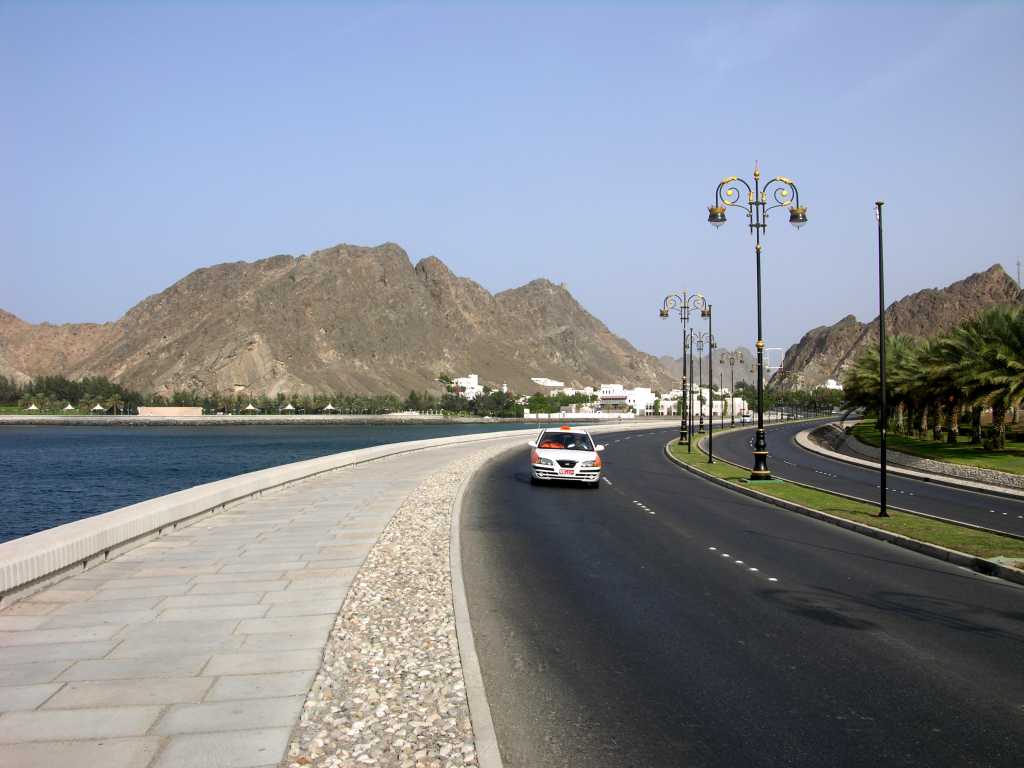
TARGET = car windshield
x,y
570,441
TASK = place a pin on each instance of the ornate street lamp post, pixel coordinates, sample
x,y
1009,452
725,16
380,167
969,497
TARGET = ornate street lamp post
x,y
783,192
733,358
683,305
707,338
700,383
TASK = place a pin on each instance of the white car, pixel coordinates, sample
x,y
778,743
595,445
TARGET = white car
x,y
565,453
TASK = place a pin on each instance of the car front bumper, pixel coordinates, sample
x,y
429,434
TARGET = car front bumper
x,y
581,474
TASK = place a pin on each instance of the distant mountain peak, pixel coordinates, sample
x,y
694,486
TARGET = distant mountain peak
x,y
825,352
347,318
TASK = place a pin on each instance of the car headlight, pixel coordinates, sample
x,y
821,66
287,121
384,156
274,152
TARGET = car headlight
x,y
592,463
536,458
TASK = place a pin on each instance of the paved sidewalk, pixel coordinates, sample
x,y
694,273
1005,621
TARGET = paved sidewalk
x,y
198,648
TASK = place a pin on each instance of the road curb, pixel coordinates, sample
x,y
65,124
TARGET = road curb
x,y
803,440
977,564
487,752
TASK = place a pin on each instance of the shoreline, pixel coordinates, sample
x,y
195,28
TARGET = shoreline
x,y
303,419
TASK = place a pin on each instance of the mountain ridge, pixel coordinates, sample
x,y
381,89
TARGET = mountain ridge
x,y
346,318
826,352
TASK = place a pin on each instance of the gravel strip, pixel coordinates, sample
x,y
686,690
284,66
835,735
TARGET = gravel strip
x,y
391,691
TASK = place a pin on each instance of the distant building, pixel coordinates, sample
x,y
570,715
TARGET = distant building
x,y
614,398
833,384
468,386
169,412
547,383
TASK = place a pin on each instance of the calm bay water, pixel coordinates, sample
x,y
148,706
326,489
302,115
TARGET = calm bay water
x,y
54,475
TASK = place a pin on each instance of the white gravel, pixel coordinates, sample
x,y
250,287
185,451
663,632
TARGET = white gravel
x,y
391,691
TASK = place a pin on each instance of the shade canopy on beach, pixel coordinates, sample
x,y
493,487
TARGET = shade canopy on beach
x,y
250,407
69,407
329,407
32,407
98,407
289,407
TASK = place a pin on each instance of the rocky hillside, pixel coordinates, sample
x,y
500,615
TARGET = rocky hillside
x,y
825,352
348,318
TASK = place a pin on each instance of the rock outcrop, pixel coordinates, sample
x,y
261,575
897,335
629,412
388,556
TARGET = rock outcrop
x,y
826,352
348,318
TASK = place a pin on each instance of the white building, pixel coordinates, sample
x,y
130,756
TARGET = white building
x,y
569,391
546,383
713,403
833,384
616,398
468,386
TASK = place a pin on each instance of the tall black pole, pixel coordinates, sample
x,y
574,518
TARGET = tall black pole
x,y
884,418
760,471
684,435
711,378
700,383
721,386
689,393
732,393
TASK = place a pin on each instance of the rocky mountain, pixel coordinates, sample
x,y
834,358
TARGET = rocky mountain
x,y
825,352
675,365
348,318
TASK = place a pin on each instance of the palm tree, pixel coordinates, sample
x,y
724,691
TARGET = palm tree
x,y
942,362
862,383
992,370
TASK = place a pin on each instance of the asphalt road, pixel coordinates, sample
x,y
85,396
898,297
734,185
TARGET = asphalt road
x,y
665,621
788,460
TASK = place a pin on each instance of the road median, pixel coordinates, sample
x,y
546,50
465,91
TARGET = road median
x,y
988,553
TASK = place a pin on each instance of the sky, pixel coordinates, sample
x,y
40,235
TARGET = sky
x,y
580,142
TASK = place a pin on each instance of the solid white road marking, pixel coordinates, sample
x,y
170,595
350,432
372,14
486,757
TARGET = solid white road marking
x,y
607,480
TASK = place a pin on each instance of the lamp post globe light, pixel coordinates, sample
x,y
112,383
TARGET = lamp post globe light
x,y
683,304
778,192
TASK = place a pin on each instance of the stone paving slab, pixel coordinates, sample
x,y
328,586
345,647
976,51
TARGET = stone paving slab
x,y
198,648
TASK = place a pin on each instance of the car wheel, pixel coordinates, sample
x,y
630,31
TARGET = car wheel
x,y
534,480
594,485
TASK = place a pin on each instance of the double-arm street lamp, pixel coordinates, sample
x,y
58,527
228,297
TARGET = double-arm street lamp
x,y
683,305
733,358
778,192
703,339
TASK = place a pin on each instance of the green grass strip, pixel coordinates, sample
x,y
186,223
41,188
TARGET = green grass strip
x,y
1010,459
973,542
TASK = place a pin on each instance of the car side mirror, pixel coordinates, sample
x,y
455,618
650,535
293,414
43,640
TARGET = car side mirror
x,y
532,443
598,448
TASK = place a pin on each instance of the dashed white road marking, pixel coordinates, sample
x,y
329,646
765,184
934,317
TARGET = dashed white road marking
x,y
607,480
644,507
750,569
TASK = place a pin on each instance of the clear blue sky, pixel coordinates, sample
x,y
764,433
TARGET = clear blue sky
x,y
580,142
